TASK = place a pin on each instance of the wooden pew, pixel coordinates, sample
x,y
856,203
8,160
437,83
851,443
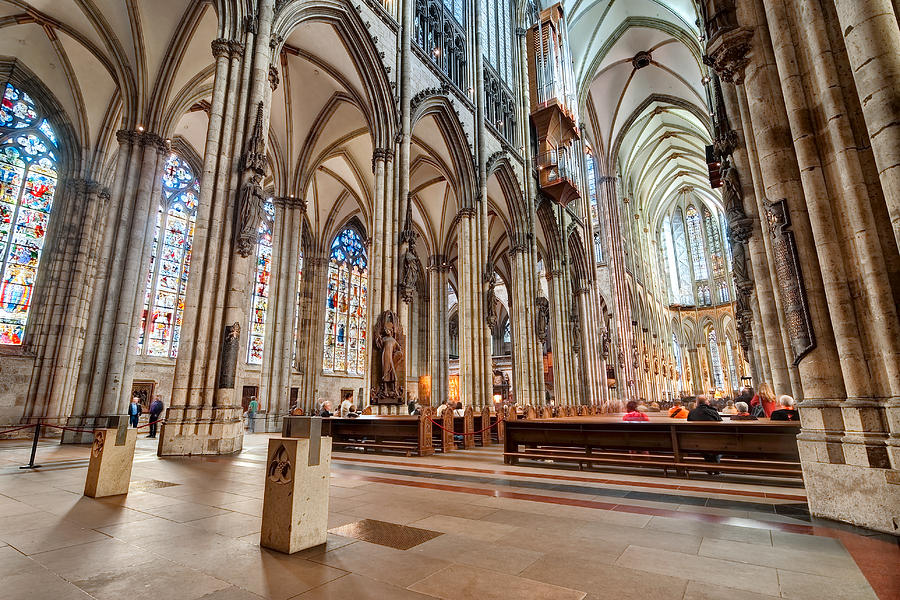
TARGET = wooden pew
x,y
443,438
481,421
530,412
465,425
410,435
748,447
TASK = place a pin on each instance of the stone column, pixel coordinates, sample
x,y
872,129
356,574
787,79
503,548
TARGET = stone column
x,y
283,306
205,415
58,328
438,341
104,381
872,40
311,328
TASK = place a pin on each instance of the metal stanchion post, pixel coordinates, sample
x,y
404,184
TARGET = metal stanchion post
x,y
34,443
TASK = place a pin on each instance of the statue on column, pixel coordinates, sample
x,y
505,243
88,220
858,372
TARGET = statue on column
x,y
411,268
388,366
605,340
490,314
249,206
542,318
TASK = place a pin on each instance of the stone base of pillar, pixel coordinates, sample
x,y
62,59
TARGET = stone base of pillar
x,y
196,431
90,422
859,495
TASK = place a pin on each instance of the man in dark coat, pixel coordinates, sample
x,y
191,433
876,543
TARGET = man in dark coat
x,y
704,412
156,410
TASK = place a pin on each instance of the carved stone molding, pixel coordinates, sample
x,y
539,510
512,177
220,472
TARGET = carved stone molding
x,y
790,280
274,80
290,202
420,97
220,48
466,211
728,53
280,469
381,154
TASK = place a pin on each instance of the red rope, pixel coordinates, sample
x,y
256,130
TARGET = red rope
x,y
497,422
153,423
17,428
70,428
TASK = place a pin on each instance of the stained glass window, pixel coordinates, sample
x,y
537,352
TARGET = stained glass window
x,y
345,305
724,293
714,239
685,281
729,356
28,181
703,295
695,237
259,304
676,348
170,260
297,307
715,359
496,17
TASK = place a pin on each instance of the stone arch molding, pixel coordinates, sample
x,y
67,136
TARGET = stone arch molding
x,y
381,113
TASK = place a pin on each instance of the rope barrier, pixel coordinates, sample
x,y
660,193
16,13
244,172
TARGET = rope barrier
x,y
153,423
497,422
17,428
76,429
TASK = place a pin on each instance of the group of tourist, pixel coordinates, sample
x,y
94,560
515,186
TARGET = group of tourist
x,y
749,406
135,410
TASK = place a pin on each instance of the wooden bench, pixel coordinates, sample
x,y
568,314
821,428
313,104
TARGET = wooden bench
x,y
747,447
410,435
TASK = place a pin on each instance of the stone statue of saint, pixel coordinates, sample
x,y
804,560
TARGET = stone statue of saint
x,y
250,209
411,273
542,318
390,352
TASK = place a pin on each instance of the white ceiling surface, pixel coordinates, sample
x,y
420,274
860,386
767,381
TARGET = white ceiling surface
x,y
105,46
656,118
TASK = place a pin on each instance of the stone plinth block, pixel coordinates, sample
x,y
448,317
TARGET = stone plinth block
x,y
219,431
112,457
295,505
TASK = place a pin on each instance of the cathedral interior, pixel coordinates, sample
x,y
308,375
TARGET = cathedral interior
x,y
548,217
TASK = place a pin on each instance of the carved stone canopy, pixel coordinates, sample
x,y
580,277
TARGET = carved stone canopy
x,y
728,53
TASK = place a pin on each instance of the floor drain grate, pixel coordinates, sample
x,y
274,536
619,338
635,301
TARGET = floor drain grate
x,y
401,537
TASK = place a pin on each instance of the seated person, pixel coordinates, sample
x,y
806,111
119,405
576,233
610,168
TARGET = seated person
x,y
678,411
743,412
787,412
703,411
654,407
729,408
458,410
417,409
633,413
297,412
440,409
351,413
641,407
326,409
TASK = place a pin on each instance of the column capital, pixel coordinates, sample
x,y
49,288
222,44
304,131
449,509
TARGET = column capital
x,y
290,202
728,53
467,211
220,48
381,154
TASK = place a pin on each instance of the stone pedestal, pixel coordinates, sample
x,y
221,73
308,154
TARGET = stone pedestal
x,y
295,505
112,456
193,431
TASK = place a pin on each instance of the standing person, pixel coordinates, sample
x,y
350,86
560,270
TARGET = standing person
x,y
252,409
787,412
345,406
156,409
134,411
764,403
634,413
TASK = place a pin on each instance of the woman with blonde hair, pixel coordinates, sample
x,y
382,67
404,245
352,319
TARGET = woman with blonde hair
x,y
766,399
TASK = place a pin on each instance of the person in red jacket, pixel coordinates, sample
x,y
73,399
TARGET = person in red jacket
x,y
633,413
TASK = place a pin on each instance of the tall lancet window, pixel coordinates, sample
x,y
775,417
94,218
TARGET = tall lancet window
x,y
170,259
714,239
695,237
715,359
345,305
685,281
27,184
297,306
260,302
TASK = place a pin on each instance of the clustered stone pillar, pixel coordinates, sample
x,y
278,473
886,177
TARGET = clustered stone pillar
x,y
107,364
528,372
438,332
310,328
472,327
278,357
205,414
58,329
813,159
564,381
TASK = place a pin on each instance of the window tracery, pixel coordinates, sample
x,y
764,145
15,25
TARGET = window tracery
x,y
695,237
170,260
715,359
345,305
714,239
439,30
259,304
28,179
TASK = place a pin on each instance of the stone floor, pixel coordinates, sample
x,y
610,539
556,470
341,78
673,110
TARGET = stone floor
x,y
189,530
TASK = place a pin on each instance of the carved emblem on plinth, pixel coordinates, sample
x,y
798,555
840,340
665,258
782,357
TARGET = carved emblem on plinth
x,y
280,469
99,441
